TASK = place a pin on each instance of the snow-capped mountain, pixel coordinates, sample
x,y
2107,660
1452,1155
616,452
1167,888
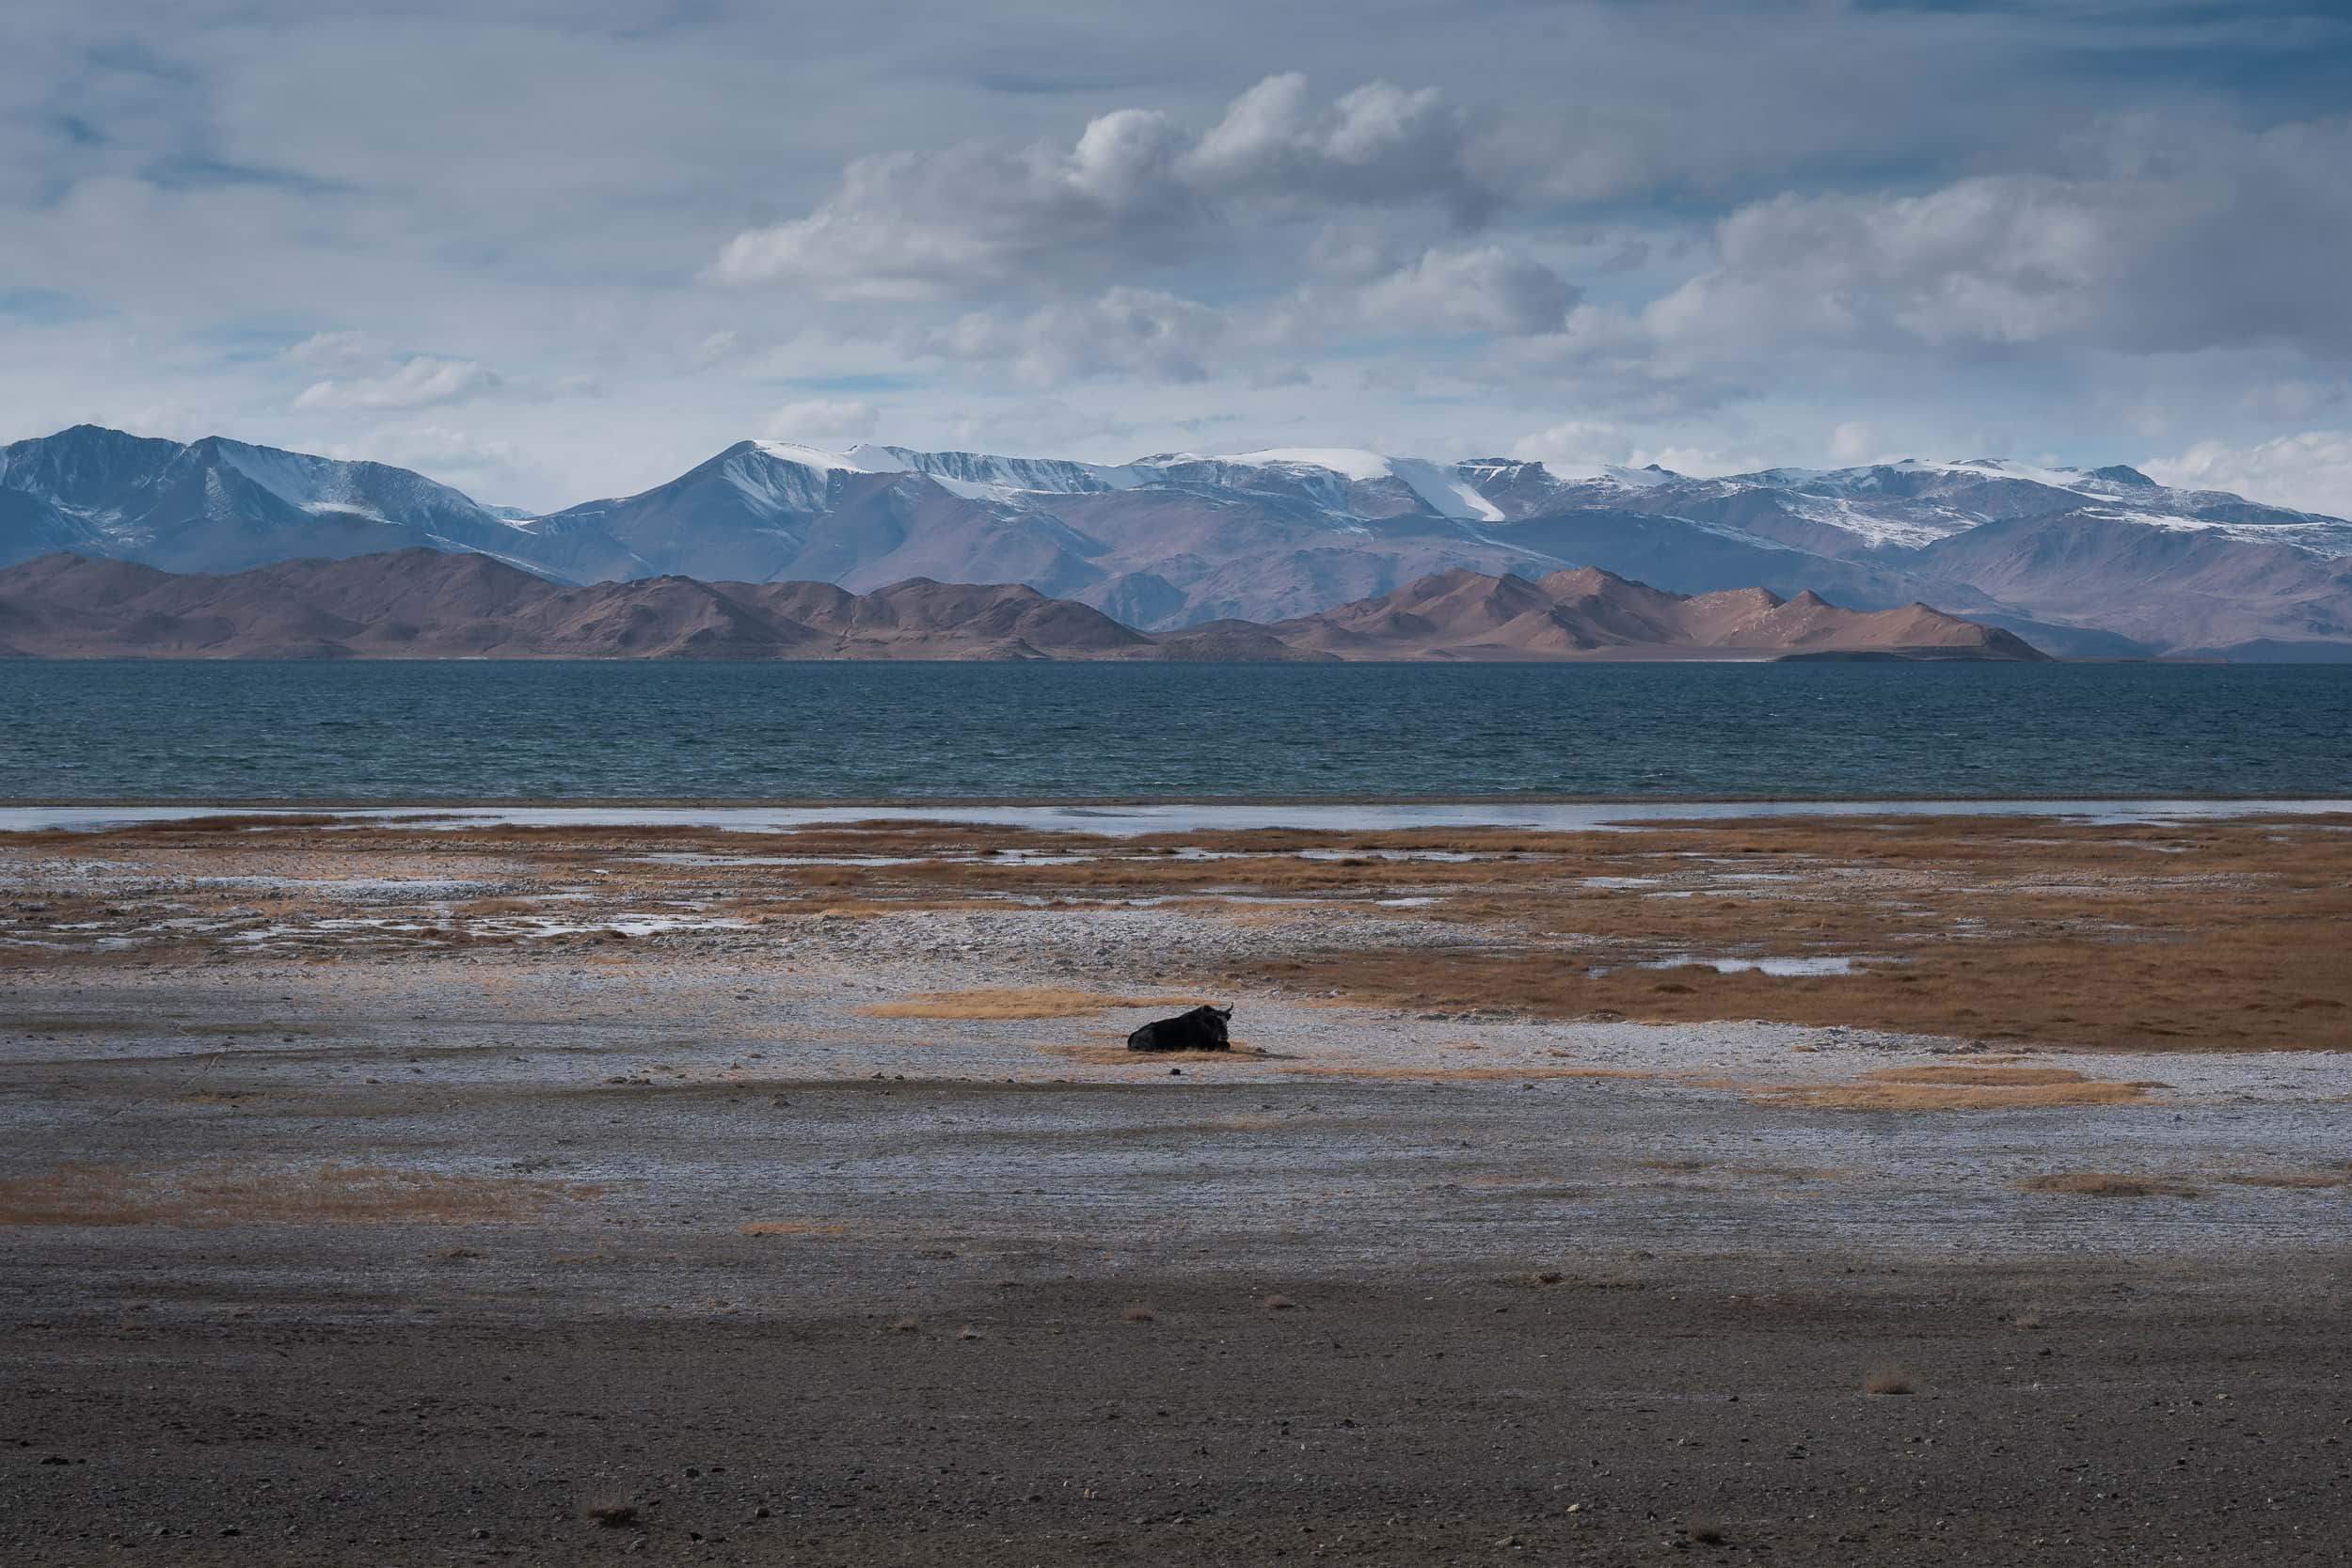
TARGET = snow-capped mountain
x,y
1912,504
218,505
2100,561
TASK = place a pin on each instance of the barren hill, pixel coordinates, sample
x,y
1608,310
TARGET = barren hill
x,y
433,604
1589,613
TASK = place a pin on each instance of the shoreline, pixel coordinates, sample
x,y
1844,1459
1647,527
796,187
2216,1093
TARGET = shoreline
x,y
1423,798
1118,818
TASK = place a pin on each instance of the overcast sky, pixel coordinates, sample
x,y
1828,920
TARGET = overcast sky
x,y
551,249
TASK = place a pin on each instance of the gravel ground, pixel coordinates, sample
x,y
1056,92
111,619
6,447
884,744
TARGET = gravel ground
x,y
791,1282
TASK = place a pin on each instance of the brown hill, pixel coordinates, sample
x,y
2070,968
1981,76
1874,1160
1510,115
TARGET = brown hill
x,y
1588,614
426,604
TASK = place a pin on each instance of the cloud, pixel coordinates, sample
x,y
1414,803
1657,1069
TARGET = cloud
x,y
716,348
335,351
484,466
1161,216
1155,335
421,381
1142,332
1136,189
2155,238
1378,145
1486,290
2311,472
848,419
1574,448
1851,443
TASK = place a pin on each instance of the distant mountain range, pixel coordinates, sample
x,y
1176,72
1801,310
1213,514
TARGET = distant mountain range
x,y
423,603
2102,562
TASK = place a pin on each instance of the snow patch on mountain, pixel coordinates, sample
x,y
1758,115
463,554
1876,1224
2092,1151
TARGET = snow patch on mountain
x,y
1445,490
826,462
2321,536
982,473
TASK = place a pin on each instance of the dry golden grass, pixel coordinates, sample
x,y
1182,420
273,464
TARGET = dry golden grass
x,y
2024,930
1956,1088
1989,1077
2232,945
2107,1184
2307,1179
315,1194
1013,1002
790,1227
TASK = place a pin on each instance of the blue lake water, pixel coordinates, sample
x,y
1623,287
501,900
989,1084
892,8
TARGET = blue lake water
x,y
267,731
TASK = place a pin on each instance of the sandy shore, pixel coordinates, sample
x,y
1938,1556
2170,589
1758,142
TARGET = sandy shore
x,y
382,1195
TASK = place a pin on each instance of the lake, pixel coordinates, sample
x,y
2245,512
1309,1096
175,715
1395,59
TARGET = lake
x,y
300,731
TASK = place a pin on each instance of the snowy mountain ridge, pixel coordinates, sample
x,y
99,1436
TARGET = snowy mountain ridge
x,y
2089,560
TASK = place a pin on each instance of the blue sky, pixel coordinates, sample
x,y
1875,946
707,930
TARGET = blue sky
x,y
548,251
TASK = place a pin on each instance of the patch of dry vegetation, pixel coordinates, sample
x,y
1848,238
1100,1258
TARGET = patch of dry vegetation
x,y
1956,1088
2003,929
96,1194
2298,1180
1016,1002
2109,1184
2089,940
1980,1075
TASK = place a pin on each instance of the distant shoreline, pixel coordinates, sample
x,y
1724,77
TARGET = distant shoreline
x,y
932,803
1139,817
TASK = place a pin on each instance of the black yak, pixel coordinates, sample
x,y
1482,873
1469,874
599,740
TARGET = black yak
x,y
1201,1029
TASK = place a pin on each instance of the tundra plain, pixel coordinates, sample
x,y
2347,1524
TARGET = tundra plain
x,y
1889,1189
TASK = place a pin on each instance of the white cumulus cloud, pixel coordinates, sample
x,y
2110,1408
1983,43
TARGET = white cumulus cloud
x,y
2311,472
423,381
1484,290
1137,187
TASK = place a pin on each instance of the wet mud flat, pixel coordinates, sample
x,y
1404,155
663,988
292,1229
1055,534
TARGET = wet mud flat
x,y
548,1196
